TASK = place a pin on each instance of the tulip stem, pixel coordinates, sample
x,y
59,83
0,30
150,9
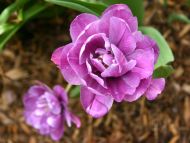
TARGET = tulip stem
x,y
68,87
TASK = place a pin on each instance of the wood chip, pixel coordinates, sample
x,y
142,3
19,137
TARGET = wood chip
x,y
186,88
178,72
16,74
173,129
32,140
184,31
174,139
186,114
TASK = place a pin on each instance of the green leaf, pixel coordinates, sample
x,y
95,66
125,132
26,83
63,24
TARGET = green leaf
x,y
5,27
82,6
6,13
163,71
75,92
6,36
166,55
136,6
179,17
27,15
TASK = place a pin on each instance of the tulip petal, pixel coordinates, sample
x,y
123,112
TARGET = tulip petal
x,y
94,76
155,88
127,44
140,90
56,56
69,74
79,24
60,92
91,44
117,25
121,11
95,105
59,57
145,62
132,79
117,7
119,88
57,133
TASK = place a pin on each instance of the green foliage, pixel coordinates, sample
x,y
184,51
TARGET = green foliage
x,y
166,55
98,7
6,13
82,6
75,92
179,17
7,30
163,71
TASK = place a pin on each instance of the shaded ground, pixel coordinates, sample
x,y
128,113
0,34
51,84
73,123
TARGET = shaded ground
x,y
26,58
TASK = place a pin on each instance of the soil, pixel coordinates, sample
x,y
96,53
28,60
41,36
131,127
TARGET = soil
x,y
26,58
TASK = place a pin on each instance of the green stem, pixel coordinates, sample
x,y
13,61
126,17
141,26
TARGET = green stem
x,y
68,87
6,13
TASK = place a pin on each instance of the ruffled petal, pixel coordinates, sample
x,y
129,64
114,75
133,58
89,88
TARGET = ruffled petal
x,y
155,88
59,57
79,24
118,10
68,61
75,120
147,43
70,117
117,28
145,62
140,90
57,133
97,64
95,105
132,79
111,71
119,88
54,121
56,56
127,44
95,87
120,58
94,76
121,11
91,44
60,92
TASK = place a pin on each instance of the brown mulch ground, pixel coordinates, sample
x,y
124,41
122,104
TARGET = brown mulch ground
x,y
26,58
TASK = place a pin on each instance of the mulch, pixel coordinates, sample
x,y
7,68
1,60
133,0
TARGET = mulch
x,y
26,58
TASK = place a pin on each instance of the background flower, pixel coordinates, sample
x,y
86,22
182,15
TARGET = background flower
x,y
46,110
110,59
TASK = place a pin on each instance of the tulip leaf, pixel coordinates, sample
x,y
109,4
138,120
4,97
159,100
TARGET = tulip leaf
x,y
163,71
180,17
136,6
83,6
27,15
75,92
166,55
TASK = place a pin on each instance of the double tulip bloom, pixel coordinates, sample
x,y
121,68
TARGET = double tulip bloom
x,y
46,110
110,59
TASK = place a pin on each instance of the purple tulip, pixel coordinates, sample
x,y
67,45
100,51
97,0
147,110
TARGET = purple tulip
x,y
110,59
46,110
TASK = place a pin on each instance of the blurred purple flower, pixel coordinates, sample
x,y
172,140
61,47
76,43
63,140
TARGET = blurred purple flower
x,y
46,110
110,59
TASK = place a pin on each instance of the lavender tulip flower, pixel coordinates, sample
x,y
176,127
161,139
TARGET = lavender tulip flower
x,y
110,59
46,110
